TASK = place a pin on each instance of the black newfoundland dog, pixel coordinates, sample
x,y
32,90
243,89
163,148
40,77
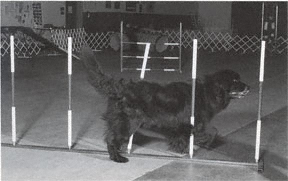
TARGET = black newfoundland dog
x,y
132,105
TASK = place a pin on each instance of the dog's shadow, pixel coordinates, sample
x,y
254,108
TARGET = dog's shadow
x,y
151,137
144,137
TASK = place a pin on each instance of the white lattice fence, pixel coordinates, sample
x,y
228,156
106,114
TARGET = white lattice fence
x,y
60,38
25,46
225,42
279,46
96,41
99,41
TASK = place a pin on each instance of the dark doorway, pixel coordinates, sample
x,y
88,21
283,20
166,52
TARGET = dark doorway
x,y
246,18
71,14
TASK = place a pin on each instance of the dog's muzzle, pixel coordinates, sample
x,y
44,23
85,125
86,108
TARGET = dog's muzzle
x,y
241,94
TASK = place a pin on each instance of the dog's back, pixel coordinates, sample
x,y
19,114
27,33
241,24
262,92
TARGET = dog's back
x,y
103,83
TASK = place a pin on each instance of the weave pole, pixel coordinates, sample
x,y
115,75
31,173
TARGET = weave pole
x,y
192,119
180,48
13,109
121,46
143,69
129,147
69,92
261,79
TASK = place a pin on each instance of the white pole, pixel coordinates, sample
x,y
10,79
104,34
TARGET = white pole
x,y
69,55
146,53
12,54
192,119
129,147
262,58
69,129
69,92
195,42
13,109
261,79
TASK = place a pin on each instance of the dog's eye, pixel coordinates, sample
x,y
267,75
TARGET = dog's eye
x,y
235,80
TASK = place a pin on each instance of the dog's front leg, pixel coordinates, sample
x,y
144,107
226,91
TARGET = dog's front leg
x,y
204,132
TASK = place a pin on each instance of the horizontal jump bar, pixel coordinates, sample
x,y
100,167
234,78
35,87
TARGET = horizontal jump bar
x,y
149,69
141,57
167,70
171,43
144,43
138,43
137,155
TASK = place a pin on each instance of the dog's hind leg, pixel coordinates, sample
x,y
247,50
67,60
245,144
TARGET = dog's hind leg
x,y
117,130
114,138
113,147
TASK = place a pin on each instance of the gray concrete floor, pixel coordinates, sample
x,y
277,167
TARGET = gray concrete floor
x,y
41,104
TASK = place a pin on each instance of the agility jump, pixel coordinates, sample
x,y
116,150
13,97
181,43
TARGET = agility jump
x,y
163,44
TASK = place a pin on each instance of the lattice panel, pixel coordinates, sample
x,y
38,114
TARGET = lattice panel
x,y
99,41
211,41
60,38
226,42
25,46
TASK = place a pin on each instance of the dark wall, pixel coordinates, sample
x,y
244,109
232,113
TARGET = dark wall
x,y
247,18
99,22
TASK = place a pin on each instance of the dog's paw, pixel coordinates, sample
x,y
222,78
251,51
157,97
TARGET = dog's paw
x,y
118,158
179,145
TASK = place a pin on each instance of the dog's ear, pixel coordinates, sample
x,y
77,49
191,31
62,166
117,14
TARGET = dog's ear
x,y
218,90
214,87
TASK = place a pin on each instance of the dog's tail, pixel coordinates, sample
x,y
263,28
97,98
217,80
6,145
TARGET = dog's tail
x,y
104,84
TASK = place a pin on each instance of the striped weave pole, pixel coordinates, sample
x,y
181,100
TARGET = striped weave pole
x,y
69,92
180,48
261,79
121,46
143,69
192,119
13,110
129,147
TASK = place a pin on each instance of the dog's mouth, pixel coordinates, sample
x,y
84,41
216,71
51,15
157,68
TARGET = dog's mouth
x,y
239,95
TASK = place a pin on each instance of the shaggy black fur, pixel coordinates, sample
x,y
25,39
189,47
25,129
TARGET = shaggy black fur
x,y
168,107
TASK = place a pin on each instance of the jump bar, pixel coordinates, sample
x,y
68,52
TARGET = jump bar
x,y
141,57
137,43
143,43
166,70
149,69
171,43
139,155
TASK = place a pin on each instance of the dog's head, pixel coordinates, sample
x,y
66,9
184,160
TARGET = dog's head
x,y
229,81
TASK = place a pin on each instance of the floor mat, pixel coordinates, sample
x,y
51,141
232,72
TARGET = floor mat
x,y
41,100
239,146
